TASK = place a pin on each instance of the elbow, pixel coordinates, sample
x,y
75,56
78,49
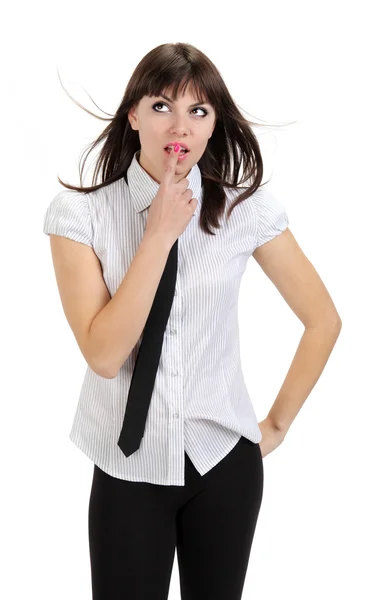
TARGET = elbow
x,y
327,322
107,371
339,324
103,364
102,370
105,374
100,364
336,323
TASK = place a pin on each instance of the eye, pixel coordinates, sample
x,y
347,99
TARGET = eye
x,y
163,104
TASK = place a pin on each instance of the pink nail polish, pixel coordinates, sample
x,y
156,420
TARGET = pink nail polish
x,y
177,147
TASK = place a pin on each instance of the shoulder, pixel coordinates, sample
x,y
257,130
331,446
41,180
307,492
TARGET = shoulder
x,y
266,213
68,214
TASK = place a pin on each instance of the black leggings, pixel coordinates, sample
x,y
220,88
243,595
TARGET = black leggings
x,y
134,528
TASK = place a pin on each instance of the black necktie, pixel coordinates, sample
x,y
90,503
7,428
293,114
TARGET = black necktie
x,y
145,369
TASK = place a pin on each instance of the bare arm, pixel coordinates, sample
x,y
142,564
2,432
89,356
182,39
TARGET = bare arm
x,y
106,329
286,265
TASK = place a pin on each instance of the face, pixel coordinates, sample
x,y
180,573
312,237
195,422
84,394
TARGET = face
x,y
160,121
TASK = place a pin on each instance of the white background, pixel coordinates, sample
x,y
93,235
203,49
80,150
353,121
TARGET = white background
x,y
282,62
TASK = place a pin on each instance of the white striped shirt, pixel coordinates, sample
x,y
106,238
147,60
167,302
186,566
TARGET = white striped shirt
x,y
200,403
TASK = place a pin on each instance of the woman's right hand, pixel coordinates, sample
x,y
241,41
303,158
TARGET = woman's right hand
x,y
173,206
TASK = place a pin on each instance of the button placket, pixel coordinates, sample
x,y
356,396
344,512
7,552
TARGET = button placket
x,y
173,331
174,373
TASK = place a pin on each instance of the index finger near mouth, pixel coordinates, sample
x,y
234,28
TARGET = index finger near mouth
x,y
171,166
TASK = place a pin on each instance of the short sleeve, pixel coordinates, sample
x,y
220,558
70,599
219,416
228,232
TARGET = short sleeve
x,y
272,218
68,215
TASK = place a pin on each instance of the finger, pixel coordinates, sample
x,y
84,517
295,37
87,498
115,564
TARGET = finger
x,y
171,166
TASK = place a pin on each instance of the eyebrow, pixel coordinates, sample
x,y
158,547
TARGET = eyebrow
x,y
196,103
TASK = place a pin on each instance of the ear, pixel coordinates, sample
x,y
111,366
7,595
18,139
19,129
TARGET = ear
x,y
132,118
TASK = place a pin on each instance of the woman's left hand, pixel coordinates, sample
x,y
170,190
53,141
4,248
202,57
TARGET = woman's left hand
x,y
271,437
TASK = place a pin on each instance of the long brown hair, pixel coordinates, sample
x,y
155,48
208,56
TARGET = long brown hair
x,y
233,143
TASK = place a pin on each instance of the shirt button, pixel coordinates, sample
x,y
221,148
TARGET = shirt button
x,y
174,373
175,292
176,415
173,331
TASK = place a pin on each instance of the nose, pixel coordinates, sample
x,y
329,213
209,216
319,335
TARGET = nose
x,y
179,128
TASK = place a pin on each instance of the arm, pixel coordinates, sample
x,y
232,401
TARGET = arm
x,y
106,329
294,276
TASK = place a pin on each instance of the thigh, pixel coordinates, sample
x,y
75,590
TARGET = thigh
x,y
131,539
215,529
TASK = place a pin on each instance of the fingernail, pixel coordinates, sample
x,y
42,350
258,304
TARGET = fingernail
x,y
177,147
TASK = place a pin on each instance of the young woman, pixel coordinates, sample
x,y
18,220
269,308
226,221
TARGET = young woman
x,y
186,472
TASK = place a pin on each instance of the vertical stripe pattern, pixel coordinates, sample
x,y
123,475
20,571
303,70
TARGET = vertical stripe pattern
x,y
200,403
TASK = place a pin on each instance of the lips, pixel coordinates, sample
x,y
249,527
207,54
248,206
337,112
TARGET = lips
x,y
181,156
182,149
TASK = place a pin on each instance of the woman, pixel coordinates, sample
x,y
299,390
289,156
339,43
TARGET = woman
x,y
173,435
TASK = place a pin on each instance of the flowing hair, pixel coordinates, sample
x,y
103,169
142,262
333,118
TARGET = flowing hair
x,y
231,145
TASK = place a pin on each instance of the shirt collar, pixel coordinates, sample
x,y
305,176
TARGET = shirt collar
x,y
143,188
